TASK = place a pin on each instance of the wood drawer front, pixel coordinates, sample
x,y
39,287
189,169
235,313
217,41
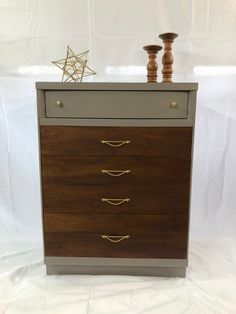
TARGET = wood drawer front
x,y
116,141
166,199
145,236
115,170
117,104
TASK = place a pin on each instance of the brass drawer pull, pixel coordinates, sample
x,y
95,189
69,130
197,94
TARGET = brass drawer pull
x,y
59,103
115,201
115,239
115,173
173,104
115,143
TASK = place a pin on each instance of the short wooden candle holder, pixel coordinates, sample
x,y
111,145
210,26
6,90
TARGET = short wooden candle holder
x,y
152,65
167,59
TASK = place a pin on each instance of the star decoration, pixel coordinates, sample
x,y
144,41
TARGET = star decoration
x,y
74,66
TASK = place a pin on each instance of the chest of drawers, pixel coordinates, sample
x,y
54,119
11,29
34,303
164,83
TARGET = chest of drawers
x,y
115,171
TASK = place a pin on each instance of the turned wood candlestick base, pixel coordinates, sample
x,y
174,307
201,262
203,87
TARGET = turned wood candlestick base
x,y
152,65
167,59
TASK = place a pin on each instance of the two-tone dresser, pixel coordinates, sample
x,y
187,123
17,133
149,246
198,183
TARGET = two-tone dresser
x,y
116,174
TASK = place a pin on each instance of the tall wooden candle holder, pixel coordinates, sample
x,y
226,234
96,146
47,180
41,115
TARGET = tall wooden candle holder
x,y
167,59
152,65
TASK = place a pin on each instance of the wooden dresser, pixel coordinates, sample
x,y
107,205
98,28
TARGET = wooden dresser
x,y
116,173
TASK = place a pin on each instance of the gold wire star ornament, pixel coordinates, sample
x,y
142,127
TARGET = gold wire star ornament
x,y
74,66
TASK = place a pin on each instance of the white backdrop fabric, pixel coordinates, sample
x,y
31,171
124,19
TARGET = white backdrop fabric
x,y
35,32
209,288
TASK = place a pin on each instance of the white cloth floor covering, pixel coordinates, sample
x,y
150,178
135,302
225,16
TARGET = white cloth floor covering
x,y
209,288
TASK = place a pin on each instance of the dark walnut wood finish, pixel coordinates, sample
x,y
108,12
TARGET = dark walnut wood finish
x,y
157,186
150,236
86,141
169,199
143,170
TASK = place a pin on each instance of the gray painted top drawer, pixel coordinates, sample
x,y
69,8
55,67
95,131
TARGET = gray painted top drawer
x,y
117,104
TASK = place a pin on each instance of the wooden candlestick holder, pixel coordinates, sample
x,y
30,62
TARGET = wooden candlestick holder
x,y
167,59
152,65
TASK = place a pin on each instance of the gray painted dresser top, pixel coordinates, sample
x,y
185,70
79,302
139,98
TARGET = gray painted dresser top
x,y
117,86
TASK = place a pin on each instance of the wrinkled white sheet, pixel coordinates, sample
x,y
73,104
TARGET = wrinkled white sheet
x,y
209,288
35,32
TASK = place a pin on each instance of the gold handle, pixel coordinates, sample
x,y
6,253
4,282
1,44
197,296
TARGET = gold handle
x,y
59,103
115,201
115,173
173,104
115,239
115,143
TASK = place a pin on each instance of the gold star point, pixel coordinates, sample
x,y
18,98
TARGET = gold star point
x,y
74,66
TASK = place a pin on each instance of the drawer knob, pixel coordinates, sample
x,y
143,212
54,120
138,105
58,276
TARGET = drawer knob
x,y
115,173
173,104
59,103
115,239
115,143
115,201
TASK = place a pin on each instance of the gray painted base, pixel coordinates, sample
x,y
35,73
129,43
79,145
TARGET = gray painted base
x,y
116,266
111,270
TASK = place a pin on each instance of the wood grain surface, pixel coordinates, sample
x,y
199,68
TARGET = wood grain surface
x,y
144,141
150,236
143,170
167,199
